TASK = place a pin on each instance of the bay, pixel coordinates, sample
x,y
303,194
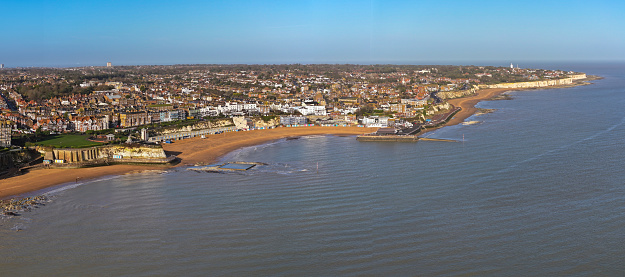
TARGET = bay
x,y
536,188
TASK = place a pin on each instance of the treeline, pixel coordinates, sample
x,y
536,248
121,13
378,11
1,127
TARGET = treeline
x,y
46,91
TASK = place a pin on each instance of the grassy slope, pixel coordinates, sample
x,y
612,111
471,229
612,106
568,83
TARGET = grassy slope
x,y
62,141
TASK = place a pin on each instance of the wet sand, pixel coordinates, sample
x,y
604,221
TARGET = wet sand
x,y
189,151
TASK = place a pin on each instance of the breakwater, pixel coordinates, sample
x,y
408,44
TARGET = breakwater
x,y
232,166
387,138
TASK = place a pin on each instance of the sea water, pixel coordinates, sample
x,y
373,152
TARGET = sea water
x,y
537,188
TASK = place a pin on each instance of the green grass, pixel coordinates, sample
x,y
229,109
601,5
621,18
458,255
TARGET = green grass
x,y
67,141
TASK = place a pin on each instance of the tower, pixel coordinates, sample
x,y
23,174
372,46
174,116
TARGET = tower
x,y
1,65
144,134
511,66
109,64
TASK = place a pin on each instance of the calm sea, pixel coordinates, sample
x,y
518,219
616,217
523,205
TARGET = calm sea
x,y
537,188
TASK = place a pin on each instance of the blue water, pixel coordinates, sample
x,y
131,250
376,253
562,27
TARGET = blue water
x,y
537,188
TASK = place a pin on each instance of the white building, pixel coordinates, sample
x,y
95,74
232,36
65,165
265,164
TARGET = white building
x,y
375,121
312,110
209,111
293,120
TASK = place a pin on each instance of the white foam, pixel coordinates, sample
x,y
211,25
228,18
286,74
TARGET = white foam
x,y
67,186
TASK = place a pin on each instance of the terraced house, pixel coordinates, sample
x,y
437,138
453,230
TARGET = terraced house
x,y
89,123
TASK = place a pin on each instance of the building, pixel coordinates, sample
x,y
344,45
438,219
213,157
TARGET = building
x,y
55,124
109,64
312,110
144,134
375,121
1,65
416,102
5,134
293,120
89,123
134,119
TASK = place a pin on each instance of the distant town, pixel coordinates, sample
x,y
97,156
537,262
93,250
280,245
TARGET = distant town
x,y
160,103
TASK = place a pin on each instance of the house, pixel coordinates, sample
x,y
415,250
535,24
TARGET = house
x,y
56,124
134,119
89,123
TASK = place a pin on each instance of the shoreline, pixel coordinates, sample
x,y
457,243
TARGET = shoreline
x,y
189,151
209,150
468,103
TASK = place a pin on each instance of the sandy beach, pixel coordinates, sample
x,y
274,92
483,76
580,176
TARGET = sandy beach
x,y
468,103
189,151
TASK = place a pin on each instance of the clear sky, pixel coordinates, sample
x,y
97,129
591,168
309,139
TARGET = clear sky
x,y
84,32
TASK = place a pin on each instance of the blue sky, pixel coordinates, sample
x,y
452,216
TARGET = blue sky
x,y
77,33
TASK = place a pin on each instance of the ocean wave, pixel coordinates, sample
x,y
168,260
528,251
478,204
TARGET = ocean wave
x,y
67,186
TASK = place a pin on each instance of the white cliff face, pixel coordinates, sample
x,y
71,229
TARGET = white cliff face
x,y
530,84
258,123
240,122
437,108
538,84
79,155
456,93
132,152
200,126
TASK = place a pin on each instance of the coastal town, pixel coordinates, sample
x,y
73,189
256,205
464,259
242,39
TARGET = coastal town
x,y
117,119
114,100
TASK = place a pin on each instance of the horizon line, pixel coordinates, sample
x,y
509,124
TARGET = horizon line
x,y
481,63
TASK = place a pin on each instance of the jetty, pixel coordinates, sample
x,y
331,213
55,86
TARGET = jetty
x,y
389,138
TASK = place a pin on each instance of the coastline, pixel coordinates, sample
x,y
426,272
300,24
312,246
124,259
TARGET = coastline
x,y
468,103
189,151
209,150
